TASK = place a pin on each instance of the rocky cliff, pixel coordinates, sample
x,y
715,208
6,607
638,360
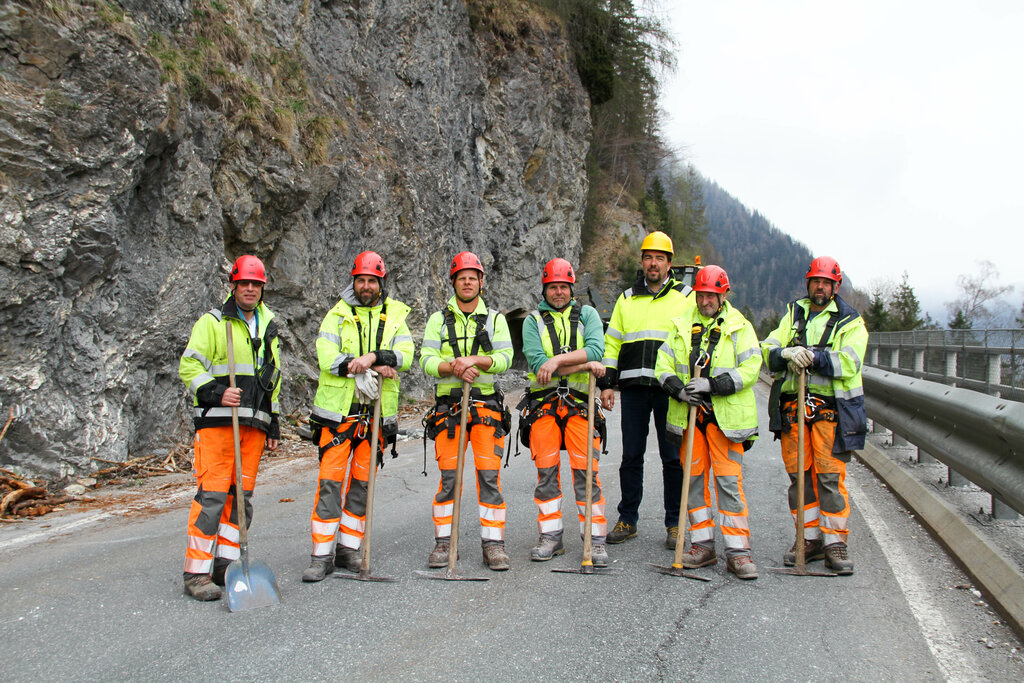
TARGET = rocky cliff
x,y
145,144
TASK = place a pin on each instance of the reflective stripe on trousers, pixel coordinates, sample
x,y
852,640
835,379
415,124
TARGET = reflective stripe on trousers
x,y
213,517
487,454
332,511
545,447
826,500
716,456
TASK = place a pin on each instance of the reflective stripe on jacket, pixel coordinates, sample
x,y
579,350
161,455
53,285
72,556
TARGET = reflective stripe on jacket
x,y
437,348
204,369
537,342
638,327
348,331
736,354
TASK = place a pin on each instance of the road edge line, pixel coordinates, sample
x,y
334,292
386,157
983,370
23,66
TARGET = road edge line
x,y
991,570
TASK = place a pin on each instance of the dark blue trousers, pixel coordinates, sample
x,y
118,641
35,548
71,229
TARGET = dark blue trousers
x,y
636,405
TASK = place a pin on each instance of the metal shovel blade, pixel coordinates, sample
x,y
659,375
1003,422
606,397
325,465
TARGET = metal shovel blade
x,y
677,571
250,585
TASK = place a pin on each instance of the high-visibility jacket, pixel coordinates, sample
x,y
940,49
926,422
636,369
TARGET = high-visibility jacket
x,y
204,368
538,345
638,327
733,369
450,333
839,340
348,331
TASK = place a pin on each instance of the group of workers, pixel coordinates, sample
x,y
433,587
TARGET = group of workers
x,y
666,349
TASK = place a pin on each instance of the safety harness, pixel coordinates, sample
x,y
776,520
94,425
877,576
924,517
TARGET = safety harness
x,y
700,362
815,407
445,415
544,402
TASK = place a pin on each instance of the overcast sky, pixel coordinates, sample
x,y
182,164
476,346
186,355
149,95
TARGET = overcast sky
x,y
889,135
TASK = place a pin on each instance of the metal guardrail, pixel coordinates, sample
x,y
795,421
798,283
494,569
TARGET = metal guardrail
x,y
979,436
990,361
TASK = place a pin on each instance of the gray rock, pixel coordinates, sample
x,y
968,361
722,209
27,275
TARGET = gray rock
x,y
124,195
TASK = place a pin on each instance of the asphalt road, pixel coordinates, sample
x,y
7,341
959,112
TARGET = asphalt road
x,y
97,596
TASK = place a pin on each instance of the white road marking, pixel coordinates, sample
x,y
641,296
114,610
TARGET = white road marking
x,y
956,663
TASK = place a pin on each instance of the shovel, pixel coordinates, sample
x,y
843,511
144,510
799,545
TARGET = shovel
x,y
800,567
371,478
453,549
684,514
248,584
587,566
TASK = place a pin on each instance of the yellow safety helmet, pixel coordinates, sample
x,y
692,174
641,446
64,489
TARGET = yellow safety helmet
x,y
657,241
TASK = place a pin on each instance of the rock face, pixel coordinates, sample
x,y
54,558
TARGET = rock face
x,y
145,146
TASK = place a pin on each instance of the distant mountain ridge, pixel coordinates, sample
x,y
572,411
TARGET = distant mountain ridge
x,y
766,266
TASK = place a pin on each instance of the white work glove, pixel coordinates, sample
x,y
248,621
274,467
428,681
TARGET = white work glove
x,y
799,358
367,386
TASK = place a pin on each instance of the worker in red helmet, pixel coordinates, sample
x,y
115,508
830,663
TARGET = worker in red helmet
x,y
823,336
212,523
364,342
468,342
711,360
563,342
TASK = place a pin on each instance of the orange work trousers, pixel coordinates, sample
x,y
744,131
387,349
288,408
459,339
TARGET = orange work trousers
x,y
213,517
329,513
488,451
546,444
715,456
826,500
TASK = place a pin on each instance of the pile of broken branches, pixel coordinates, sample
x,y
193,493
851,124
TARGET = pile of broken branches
x,y
177,460
23,498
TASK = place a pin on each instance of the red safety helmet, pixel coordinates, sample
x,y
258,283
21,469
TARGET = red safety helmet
x,y
711,279
558,270
464,260
248,268
369,263
826,267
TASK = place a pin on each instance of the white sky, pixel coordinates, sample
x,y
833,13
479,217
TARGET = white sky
x,y
889,135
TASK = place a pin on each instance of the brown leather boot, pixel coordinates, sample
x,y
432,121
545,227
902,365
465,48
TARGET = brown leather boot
x,y
699,556
742,566
812,551
837,559
439,555
495,557
348,558
201,587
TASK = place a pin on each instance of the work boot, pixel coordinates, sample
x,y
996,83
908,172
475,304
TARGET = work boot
x,y
623,531
201,587
495,557
599,555
220,566
671,537
812,551
348,558
547,547
837,559
318,568
742,566
699,556
439,555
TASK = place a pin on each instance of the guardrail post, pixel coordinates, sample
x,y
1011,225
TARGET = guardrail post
x,y
1001,510
894,358
873,355
924,457
951,366
994,373
919,361
954,478
899,441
